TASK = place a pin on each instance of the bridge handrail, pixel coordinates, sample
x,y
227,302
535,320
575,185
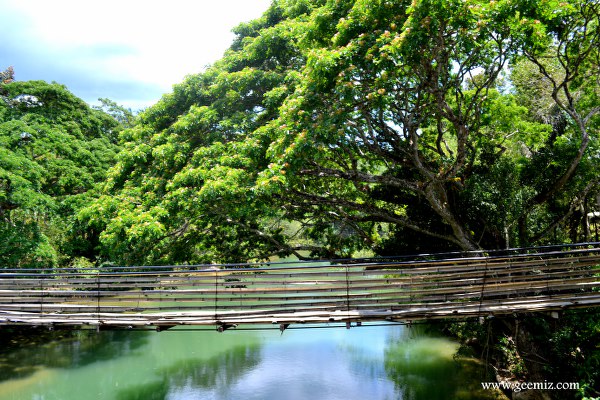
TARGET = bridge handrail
x,y
494,283
423,258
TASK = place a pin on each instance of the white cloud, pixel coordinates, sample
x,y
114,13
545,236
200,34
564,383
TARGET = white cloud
x,y
138,42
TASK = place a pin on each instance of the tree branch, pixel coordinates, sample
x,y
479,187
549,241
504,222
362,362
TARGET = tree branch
x,y
373,212
358,176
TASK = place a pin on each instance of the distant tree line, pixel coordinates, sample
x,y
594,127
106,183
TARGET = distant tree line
x,y
54,152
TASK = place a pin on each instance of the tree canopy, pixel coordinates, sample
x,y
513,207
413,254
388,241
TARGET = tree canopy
x,y
335,126
54,149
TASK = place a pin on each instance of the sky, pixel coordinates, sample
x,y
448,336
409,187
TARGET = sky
x,y
130,51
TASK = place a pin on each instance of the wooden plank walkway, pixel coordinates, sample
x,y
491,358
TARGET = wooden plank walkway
x,y
425,287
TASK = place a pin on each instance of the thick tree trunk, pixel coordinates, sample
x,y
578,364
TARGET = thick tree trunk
x,y
435,193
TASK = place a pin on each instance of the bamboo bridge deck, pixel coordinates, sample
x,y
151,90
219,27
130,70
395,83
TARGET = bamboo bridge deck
x,y
352,291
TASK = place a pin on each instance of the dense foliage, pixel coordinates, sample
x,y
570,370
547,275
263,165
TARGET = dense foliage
x,y
337,126
535,348
54,149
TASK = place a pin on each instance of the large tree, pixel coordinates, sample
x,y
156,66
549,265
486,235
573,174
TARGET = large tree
x,y
333,126
401,102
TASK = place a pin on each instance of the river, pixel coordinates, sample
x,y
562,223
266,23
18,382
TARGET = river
x,y
366,362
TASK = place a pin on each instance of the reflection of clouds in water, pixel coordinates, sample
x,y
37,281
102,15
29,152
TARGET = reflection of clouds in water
x,y
366,352
360,363
197,378
313,364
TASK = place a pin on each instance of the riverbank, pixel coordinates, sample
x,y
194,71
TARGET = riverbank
x,y
558,353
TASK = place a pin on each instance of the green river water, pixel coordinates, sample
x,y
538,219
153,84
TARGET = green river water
x,y
367,362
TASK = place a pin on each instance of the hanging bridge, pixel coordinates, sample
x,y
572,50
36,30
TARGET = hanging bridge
x,y
431,286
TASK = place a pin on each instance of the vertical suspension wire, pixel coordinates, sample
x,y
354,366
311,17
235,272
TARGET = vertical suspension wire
x,y
347,290
98,296
546,277
139,299
216,296
41,296
161,306
481,294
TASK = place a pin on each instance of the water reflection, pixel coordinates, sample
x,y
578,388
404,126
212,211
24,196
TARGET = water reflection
x,y
312,364
390,362
301,364
190,376
66,349
425,367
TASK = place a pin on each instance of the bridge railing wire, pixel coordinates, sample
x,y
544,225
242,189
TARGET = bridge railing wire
x,y
402,288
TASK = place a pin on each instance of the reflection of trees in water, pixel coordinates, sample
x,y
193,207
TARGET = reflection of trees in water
x,y
362,362
218,372
40,348
425,368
